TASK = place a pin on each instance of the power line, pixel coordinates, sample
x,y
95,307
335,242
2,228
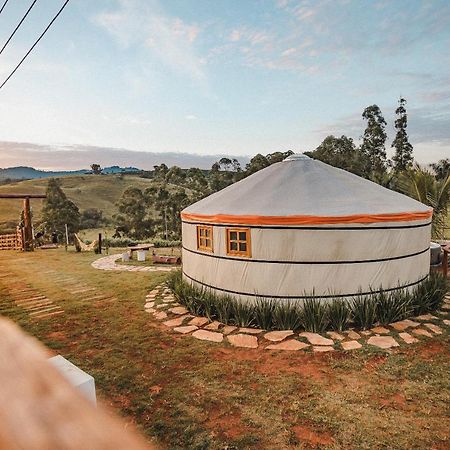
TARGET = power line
x,y
3,6
36,42
18,26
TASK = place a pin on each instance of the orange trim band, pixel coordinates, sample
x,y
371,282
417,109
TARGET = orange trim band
x,y
306,220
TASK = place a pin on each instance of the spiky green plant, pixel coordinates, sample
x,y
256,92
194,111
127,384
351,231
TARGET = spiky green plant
x,y
264,309
429,295
314,315
364,311
338,314
393,306
224,309
243,314
286,316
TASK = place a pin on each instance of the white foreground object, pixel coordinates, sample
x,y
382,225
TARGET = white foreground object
x,y
125,257
141,255
84,382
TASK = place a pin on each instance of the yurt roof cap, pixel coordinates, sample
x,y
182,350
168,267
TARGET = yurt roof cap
x,y
301,190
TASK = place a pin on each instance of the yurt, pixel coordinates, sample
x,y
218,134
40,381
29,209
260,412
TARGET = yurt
x,y
302,228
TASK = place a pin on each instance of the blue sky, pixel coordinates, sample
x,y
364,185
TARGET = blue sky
x,y
223,77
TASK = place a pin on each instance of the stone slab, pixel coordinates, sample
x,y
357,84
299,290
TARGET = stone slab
x,y
426,317
404,324
336,336
383,342
150,310
380,330
210,336
185,330
178,310
227,329
161,315
447,322
353,334
199,321
250,330
150,304
366,332
434,328
243,340
177,321
213,326
408,338
290,345
420,332
323,349
316,339
161,306
277,336
351,345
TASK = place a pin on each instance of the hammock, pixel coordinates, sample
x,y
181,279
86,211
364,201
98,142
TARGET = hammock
x,y
85,247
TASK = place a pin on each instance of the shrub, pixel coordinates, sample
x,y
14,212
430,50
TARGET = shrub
x,y
314,315
286,316
392,307
338,314
243,314
224,309
429,295
364,311
264,313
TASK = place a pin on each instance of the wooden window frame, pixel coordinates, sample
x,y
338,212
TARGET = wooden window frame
x,y
248,252
200,246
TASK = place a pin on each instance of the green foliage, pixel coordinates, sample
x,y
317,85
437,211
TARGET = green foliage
x,y
264,310
392,307
402,158
286,316
364,311
92,218
96,169
338,314
374,140
58,210
429,295
341,152
314,315
441,169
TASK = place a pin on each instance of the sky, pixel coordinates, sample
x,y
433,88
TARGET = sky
x,y
218,77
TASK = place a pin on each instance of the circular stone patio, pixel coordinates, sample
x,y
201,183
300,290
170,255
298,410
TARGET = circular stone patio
x,y
161,303
110,263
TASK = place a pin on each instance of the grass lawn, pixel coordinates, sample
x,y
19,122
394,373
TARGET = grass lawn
x,y
183,393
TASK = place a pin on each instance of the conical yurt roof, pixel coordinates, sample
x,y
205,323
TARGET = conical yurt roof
x,y
303,190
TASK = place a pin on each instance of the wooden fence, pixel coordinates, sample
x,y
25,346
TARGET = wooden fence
x,y
13,241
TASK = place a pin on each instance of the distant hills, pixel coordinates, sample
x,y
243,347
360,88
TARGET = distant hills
x,y
30,173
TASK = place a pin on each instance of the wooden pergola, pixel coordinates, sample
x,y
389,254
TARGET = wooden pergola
x,y
27,229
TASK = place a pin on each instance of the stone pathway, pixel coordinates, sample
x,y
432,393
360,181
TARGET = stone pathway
x,y
162,304
110,263
37,306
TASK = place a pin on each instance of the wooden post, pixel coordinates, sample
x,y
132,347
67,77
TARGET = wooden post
x,y
99,242
445,261
27,230
67,236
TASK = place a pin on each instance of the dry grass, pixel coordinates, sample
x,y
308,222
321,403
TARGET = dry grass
x,y
184,393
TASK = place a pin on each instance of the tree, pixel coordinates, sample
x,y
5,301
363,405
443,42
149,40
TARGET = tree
x,y
441,169
420,183
96,169
58,210
341,152
374,140
92,218
132,217
403,158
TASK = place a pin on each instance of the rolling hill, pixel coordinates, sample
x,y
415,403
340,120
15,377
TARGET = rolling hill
x,y
86,191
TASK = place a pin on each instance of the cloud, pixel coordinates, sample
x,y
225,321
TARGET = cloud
x,y
74,157
143,25
191,117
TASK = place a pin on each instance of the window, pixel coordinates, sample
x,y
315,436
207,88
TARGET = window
x,y
238,242
205,238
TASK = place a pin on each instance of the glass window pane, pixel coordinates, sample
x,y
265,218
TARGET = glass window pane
x,y
242,247
233,235
233,246
242,235
207,232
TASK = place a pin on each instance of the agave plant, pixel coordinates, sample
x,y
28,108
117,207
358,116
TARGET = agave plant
x,y
338,314
314,315
264,309
392,307
429,295
364,311
286,316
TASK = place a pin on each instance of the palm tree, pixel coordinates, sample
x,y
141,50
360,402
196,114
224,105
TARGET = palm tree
x,y
421,184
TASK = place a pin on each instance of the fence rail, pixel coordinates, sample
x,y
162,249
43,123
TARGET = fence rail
x,y
12,241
